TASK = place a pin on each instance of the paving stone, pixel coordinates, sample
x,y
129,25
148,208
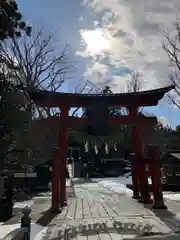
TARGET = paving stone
x,y
94,212
97,213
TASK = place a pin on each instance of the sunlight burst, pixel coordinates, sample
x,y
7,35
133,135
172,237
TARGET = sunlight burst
x,y
95,40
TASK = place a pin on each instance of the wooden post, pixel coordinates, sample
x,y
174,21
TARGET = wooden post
x,y
55,182
63,142
26,222
140,161
155,172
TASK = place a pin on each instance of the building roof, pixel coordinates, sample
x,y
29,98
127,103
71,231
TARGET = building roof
x,y
176,155
57,99
171,157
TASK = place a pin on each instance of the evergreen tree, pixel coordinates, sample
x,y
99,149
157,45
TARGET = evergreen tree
x,y
11,23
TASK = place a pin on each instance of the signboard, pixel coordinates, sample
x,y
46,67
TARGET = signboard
x,y
25,175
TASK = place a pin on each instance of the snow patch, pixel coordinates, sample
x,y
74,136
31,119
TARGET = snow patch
x,y
18,206
7,229
41,235
173,196
117,185
37,231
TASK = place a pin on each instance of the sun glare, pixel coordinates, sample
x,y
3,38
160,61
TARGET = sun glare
x,y
95,40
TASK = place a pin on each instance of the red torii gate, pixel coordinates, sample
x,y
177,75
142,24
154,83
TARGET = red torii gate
x,y
64,101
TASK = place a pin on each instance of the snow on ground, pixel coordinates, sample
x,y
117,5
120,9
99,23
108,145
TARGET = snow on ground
x,y
117,184
177,217
172,196
18,206
6,229
37,231
41,234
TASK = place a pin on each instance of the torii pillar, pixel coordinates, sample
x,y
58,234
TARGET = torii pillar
x,y
155,173
140,175
63,143
59,198
55,204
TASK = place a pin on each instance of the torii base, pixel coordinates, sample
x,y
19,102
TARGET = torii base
x,y
145,201
56,211
159,206
136,197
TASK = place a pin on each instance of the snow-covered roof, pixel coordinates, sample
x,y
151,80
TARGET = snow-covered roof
x,y
176,155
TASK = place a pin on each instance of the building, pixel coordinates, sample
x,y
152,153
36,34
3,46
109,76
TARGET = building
x,y
171,168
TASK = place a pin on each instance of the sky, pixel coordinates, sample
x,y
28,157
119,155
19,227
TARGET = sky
x,y
110,40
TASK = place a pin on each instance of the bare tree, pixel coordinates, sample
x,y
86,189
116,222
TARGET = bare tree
x,y
29,63
134,85
85,87
172,47
34,62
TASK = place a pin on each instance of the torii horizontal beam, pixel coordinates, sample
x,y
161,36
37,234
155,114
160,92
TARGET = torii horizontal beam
x,y
76,121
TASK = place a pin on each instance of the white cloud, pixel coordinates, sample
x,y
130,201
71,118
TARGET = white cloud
x,y
97,70
163,121
118,84
135,30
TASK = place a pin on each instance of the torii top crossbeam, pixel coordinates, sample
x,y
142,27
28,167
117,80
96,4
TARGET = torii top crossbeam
x,y
56,99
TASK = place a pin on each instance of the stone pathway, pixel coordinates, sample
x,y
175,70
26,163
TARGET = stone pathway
x,y
94,212
97,213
